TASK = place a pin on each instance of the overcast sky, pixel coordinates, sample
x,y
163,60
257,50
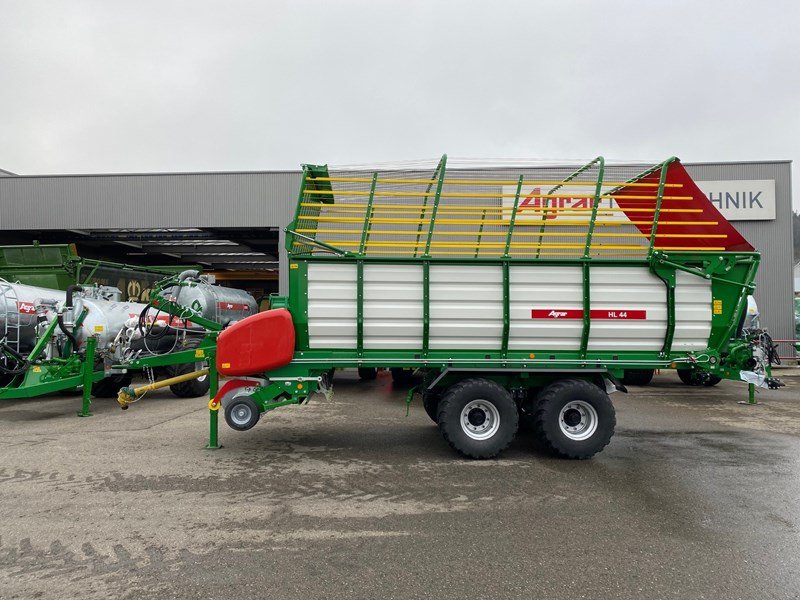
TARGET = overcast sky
x,y
111,86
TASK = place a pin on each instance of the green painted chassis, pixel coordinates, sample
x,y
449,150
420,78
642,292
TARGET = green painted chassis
x,y
731,274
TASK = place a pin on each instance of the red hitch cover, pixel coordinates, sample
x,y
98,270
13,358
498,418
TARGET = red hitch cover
x,y
259,343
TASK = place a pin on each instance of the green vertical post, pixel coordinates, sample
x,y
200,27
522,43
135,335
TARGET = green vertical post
x,y
585,264
360,307
597,193
426,306
435,208
426,195
506,306
547,200
368,217
751,394
657,213
513,218
587,307
88,376
480,233
213,413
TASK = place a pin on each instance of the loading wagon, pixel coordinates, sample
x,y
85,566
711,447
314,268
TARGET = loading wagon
x,y
521,293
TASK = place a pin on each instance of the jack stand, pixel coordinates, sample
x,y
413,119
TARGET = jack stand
x,y
751,396
88,372
213,408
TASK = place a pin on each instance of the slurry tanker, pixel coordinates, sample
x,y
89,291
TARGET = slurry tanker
x,y
50,340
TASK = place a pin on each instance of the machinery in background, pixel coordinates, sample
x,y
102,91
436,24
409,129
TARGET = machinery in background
x,y
87,335
58,266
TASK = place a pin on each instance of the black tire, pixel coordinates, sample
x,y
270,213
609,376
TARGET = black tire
x,y
241,413
562,402
367,373
430,402
108,387
493,414
638,376
401,376
695,378
194,388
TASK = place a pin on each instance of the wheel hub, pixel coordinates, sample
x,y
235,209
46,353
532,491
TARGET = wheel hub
x,y
476,417
578,420
241,414
480,419
572,417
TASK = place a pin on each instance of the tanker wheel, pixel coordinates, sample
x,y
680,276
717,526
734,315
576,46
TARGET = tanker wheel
x,y
430,402
241,413
367,373
694,378
574,419
402,376
194,388
478,418
108,387
638,376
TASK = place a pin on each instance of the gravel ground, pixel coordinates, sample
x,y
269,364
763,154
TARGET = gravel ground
x,y
696,496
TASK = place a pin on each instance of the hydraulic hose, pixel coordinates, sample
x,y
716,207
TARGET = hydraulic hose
x,y
70,290
22,362
67,332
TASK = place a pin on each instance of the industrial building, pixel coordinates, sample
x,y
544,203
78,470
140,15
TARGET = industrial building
x,y
231,223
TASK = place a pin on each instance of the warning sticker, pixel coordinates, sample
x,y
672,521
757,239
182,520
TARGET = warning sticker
x,y
717,307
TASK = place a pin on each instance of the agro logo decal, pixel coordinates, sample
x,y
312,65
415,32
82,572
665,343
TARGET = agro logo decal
x,y
25,308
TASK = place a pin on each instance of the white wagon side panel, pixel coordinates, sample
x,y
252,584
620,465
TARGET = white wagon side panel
x,y
466,307
393,307
629,309
544,288
692,312
332,305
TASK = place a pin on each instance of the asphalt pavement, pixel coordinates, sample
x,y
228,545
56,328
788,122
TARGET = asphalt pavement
x,y
697,496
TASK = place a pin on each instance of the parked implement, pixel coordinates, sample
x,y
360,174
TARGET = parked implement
x,y
87,336
58,266
521,294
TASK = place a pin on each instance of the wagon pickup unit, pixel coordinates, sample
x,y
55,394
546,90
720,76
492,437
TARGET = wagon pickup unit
x,y
520,293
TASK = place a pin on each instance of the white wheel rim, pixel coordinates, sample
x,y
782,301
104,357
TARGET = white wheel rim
x,y
241,414
578,420
480,419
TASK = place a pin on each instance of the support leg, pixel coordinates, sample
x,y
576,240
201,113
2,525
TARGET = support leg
x,y
88,372
213,410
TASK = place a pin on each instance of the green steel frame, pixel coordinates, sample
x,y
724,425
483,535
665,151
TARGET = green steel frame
x,y
732,276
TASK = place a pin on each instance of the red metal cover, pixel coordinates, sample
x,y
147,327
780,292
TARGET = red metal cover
x,y
706,228
259,343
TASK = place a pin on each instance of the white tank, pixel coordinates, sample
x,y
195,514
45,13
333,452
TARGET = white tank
x,y
18,312
220,304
